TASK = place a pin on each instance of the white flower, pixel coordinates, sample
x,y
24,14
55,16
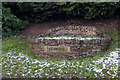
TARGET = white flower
x,y
23,74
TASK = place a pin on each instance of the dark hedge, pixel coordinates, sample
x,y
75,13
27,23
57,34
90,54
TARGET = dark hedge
x,y
47,11
11,25
15,14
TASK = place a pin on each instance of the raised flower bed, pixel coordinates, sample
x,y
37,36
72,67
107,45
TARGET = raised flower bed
x,y
70,42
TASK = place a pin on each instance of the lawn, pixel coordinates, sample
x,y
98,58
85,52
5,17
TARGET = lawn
x,y
18,61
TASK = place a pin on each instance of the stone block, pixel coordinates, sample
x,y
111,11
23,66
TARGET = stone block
x,y
70,48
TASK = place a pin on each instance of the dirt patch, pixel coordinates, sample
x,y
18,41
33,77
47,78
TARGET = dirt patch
x,y
34,29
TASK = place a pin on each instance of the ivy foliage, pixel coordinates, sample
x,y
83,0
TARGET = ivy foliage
x,y
11,25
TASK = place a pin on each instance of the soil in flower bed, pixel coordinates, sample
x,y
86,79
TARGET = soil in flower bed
x,y
35,29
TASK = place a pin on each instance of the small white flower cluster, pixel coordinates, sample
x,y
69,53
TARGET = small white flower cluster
x,y
22,65
109,62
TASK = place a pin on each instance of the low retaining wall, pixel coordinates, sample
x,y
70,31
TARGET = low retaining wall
x,y
68,48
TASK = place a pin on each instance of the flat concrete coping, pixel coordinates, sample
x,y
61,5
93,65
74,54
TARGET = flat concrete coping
x,y
81,38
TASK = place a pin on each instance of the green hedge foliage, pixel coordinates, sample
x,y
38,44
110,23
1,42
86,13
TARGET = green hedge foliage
x,y
14,15
11,25
47,11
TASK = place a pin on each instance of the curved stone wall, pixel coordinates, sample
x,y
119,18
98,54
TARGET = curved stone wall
x,y
70,48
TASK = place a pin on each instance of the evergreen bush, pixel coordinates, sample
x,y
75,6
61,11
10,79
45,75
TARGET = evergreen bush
x,y
11,25
48,11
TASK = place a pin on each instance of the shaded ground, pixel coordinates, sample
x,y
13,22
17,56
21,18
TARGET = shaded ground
x,y
34,29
